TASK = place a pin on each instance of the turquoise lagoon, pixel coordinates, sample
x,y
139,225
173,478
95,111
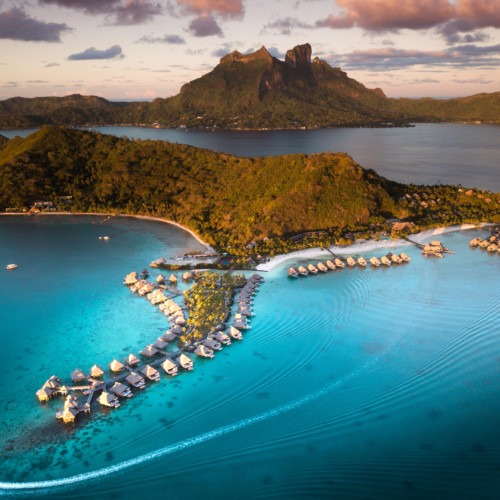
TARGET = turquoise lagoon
x,y
374,383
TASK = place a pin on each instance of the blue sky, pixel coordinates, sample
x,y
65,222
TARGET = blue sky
x,y
142,49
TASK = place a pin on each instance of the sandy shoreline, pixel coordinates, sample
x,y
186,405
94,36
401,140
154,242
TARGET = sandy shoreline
x,y
111,216
365,246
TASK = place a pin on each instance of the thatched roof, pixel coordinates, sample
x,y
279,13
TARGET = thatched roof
x,y
96,371
149,351
132,360
115,366
185,361
134,378
160,344
172,278
107,399
77,375
44,393
169,366
160,279
149,371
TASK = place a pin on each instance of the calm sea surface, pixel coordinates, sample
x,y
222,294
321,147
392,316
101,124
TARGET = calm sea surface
x,y
424,154
374,383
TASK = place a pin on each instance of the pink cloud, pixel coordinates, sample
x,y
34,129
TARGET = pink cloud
x,y
225,8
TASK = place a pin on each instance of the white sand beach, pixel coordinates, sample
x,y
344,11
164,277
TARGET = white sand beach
x,y
363,247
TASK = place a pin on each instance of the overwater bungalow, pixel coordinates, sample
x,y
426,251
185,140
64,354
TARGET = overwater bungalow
x,y
160,279
187,276
484,244
168,336
131,279
77,375
293,273
339,263
322,267
375,262
331,265
96,371
404,257
132,360
44,394
434,250
235,333
149,351
185,362
151,373
160,343
157,297
312,269
135,380
116,366
135,288
212,344
396,258
222,338
67,415
145,289
351,262
492,248
170,367
121,390
172,279
204,351
303,271
475,242
385,261
177,330
108,399
362,262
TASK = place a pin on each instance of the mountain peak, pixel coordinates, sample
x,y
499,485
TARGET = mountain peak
x,y
299,56
262,53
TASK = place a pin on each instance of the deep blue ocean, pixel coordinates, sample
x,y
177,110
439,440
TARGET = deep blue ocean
x,y
360,383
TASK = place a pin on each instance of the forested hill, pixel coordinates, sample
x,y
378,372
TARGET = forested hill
x,y
228,200
255,91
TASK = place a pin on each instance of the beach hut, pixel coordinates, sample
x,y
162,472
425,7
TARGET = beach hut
x,y
151,373
160,279
185,362
339,263
132,360
121,390
77,375
149,351
204,351
330,265
170,367
108,399
235,333
375,262
96,371
160,344
351,262
172,279
135,380
212,344
116,366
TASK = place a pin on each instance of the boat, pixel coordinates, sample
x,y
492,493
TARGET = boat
x,y
339,263
351,262
312,269
330,265
303,271
292,273
322,267
362,262
9,267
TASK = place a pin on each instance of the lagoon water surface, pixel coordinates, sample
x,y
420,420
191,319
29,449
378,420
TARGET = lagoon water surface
x,y
374,383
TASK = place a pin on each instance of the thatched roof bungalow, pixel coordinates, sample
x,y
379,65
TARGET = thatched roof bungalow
x,y
351,262
235,333
132,360
149,351
135,380
77,375
339,263
116,366
130,279
185,362
108,399
121,390
160,344
172,279
151,373
204,351
212,344
44,394
331,265
96,371
170,367
160,279
222,338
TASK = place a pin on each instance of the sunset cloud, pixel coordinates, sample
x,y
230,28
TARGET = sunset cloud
x,y
114,52
167,39
204,26
285,26
15,24
224,8
450,19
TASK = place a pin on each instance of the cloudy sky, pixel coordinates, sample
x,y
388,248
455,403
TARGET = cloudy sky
x,y
142,49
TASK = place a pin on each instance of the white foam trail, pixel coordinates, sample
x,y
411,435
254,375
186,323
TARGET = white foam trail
x,y
6,487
